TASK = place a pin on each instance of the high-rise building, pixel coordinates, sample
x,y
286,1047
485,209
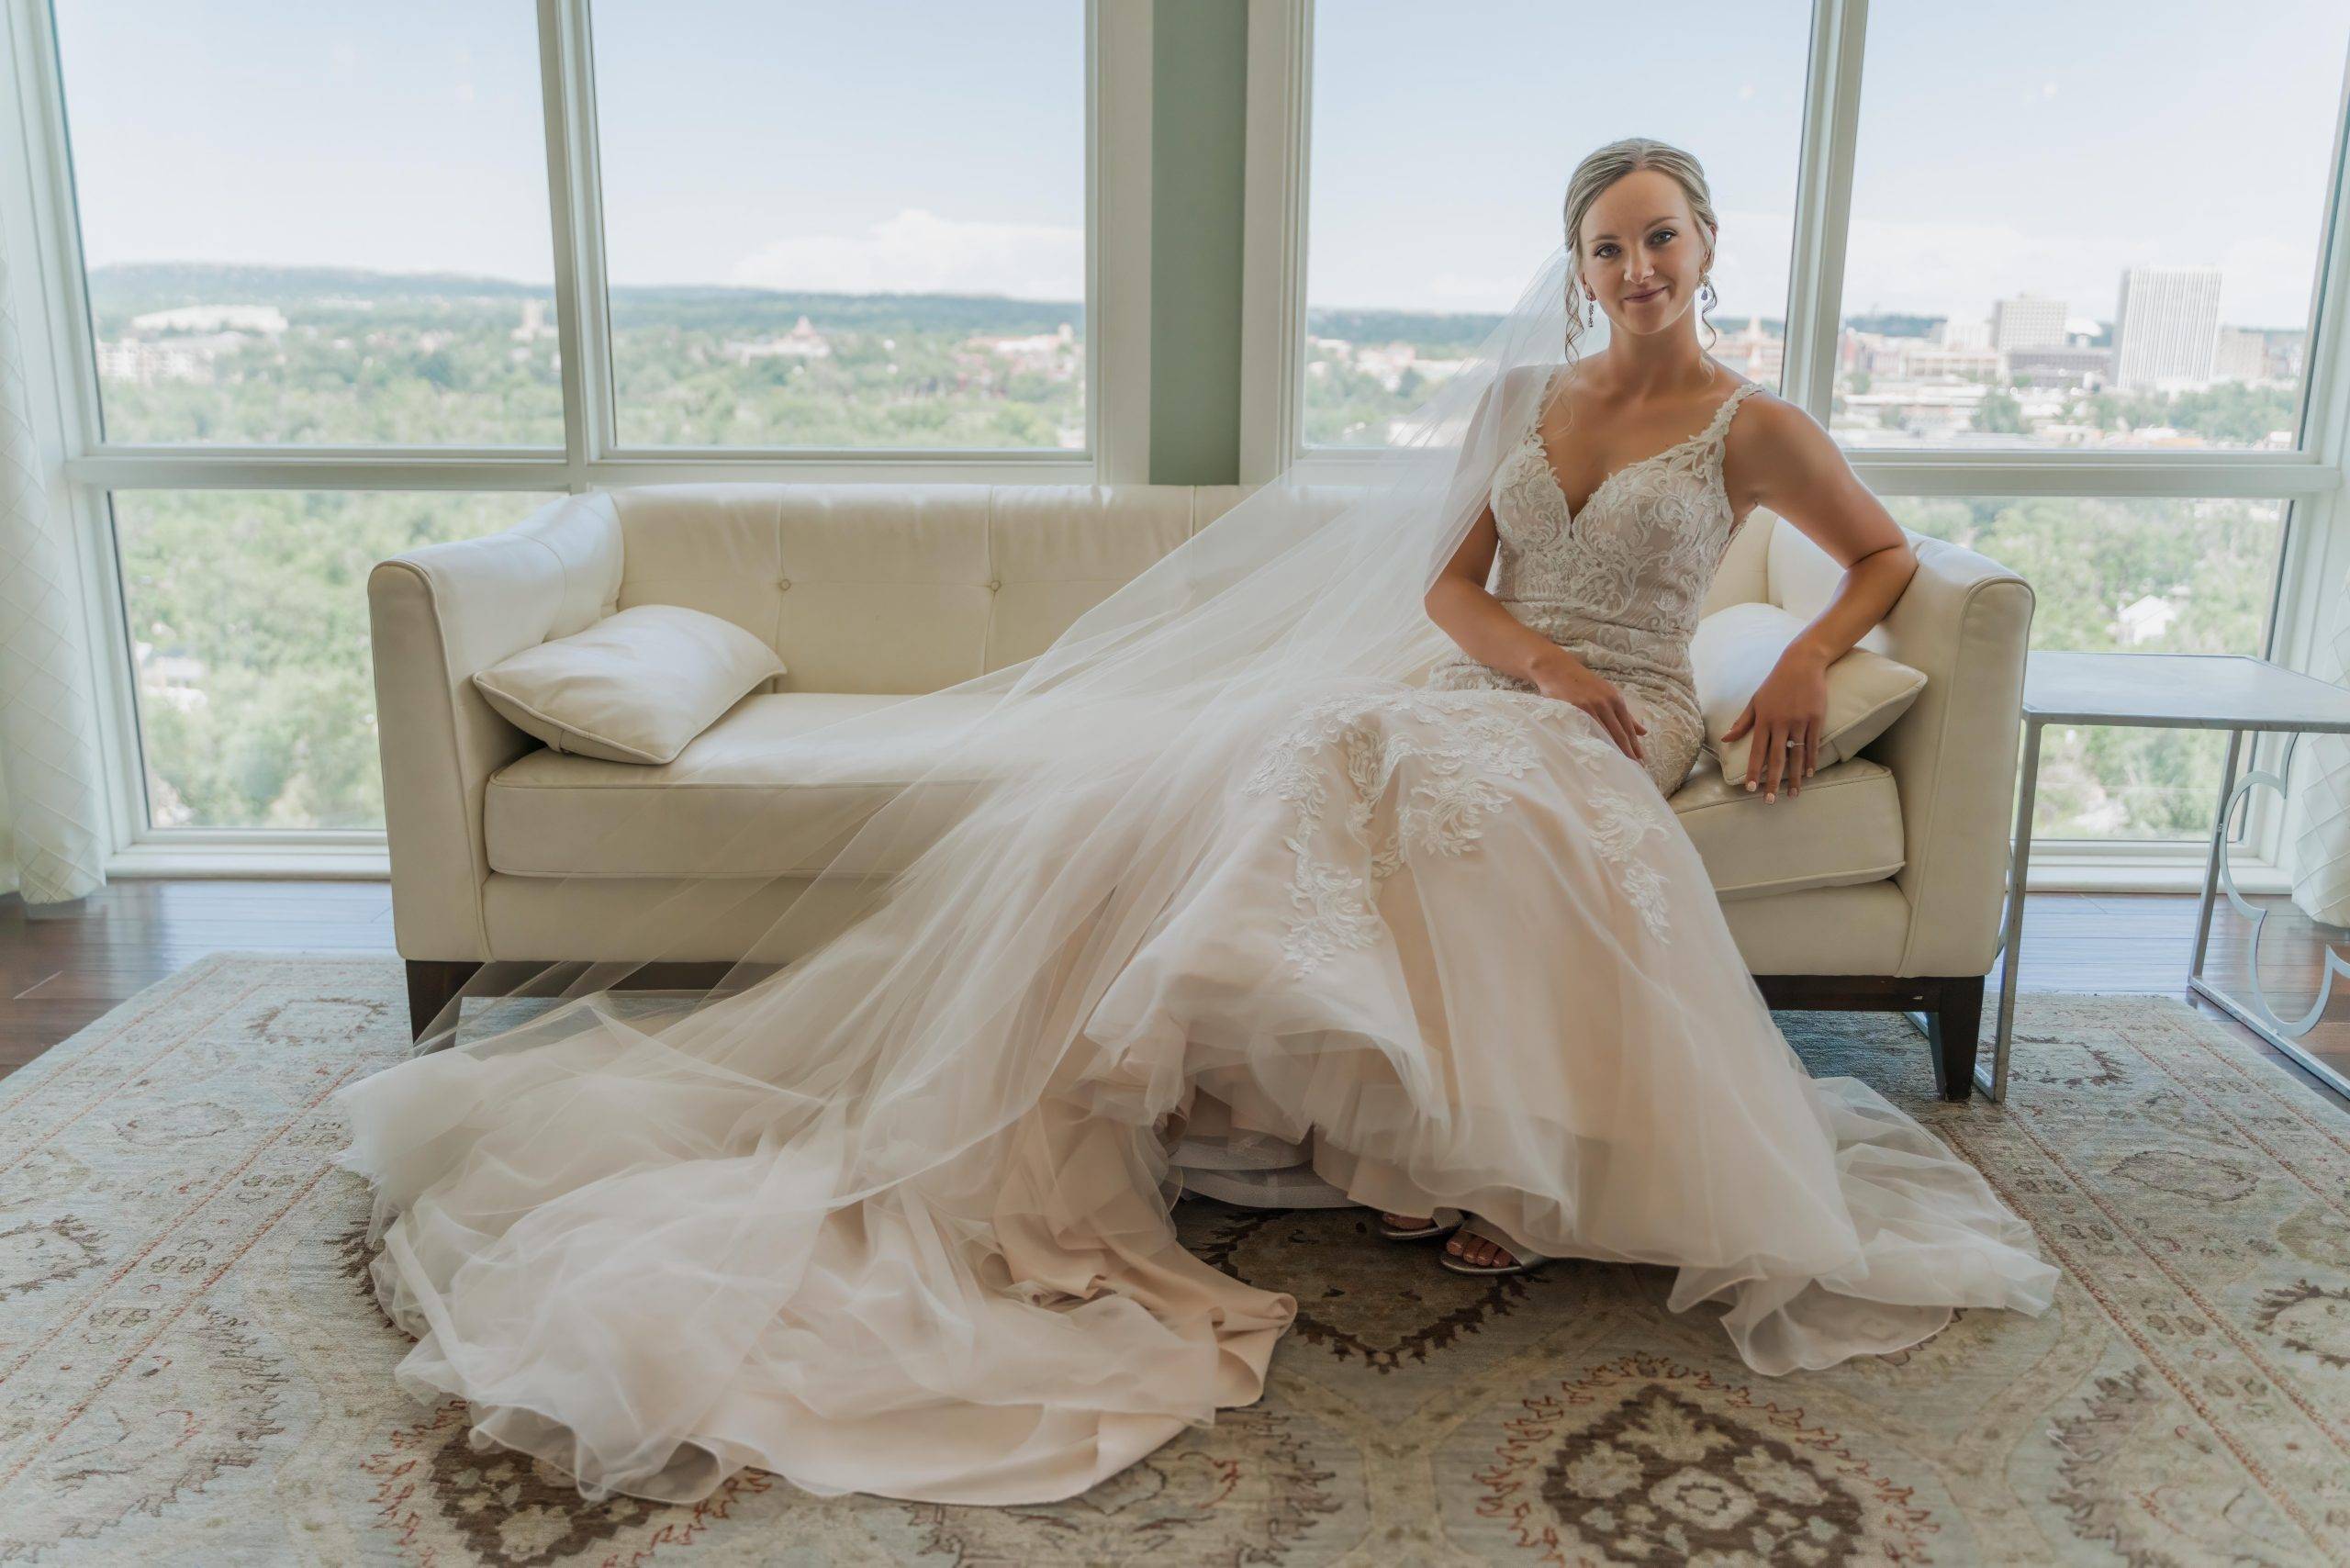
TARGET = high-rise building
x,y
2168,325
1964,333
2027,321
2242,354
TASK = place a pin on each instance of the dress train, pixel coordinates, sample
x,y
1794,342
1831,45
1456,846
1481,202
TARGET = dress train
x,y
1457,936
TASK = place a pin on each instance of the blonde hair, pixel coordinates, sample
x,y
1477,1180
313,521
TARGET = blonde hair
x,y
1601,169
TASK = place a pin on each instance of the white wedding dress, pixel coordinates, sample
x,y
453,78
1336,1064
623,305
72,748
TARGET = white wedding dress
x,y
1449,931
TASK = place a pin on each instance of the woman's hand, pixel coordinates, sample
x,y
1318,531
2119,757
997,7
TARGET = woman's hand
x,y
1790,706
1558,672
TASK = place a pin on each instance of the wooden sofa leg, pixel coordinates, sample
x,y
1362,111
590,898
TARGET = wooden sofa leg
x,y
1957,1019
430,983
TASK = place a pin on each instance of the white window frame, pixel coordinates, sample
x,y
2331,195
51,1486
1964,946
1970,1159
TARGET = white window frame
x,y
2314,553
49,288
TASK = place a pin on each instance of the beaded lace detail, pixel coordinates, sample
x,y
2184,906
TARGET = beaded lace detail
x,y
1458,748
1620,584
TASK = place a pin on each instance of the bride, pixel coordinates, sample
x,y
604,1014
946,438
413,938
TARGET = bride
x,y
1345,827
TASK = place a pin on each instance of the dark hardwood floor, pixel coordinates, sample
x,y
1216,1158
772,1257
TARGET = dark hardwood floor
x,y
58,975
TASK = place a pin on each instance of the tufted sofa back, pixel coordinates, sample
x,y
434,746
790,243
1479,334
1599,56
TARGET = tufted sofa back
x,y
900,587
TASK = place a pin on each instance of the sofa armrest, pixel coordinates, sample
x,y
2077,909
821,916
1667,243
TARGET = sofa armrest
x,y
1966,622
436,615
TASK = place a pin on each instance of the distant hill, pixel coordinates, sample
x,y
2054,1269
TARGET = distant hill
x,y
1433,329
141,286
160,284
136,287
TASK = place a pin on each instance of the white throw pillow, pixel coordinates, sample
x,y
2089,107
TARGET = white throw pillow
x,y
635,687
1733,653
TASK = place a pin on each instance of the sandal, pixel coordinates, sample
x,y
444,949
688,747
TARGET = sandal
x,y
1436,1229
1526,1262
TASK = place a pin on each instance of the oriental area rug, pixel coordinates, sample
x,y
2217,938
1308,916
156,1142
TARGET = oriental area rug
x,y
192,1369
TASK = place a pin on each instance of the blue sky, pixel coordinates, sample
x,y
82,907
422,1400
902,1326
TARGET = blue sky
x,y
2004,146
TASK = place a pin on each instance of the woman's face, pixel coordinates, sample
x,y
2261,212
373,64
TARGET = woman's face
x,y
1642,253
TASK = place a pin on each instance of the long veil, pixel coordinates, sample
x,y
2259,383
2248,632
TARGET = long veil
x,y
641,1231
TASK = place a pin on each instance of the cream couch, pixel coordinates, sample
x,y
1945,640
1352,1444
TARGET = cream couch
x,y
1879,887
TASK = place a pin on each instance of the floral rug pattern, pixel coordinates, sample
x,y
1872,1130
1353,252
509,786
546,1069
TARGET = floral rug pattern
x,y
192,1369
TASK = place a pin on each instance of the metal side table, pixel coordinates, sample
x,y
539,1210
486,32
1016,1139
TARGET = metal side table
x,y
2189,691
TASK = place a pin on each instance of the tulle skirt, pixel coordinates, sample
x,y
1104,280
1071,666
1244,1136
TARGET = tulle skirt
x,y
1457,939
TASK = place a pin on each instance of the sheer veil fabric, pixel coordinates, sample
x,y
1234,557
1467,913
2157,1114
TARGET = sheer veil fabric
x,y
893,1217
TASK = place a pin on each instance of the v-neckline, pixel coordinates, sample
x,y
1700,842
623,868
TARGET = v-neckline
x,y
1542,451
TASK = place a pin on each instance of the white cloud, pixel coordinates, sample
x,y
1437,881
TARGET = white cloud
x,y
917,251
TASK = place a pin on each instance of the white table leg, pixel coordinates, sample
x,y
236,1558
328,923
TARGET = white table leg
x,y
2218,845
2011,937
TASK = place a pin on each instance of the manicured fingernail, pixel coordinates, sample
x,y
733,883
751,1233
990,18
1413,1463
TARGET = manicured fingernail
x,y
1771,795
1750,786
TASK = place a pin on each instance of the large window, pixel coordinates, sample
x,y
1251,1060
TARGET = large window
x,y
2160,576
1439,155
2071,256
314,225
805,256
356,279
247,611
2093,226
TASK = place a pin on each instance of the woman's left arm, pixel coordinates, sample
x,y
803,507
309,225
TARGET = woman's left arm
x,y
1786,462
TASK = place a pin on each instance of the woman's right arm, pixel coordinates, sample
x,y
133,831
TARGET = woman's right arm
x,y
1457,602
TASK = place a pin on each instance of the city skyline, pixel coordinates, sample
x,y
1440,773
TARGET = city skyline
x,y
2074,326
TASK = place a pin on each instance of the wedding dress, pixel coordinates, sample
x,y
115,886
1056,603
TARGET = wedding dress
x,y
874,1227
1625,598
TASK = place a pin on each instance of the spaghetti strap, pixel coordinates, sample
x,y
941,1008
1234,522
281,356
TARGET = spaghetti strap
x,y
1719,425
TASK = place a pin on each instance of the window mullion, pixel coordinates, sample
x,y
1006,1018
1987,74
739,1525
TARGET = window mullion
x,y
1273,237
1119,45
1823,205
582,322
2306,618
2312,560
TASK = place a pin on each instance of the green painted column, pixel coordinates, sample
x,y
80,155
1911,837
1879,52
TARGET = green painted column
x,y
1199,124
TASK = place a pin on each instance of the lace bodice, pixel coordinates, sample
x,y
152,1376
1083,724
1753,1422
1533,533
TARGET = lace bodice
x,y
1621,584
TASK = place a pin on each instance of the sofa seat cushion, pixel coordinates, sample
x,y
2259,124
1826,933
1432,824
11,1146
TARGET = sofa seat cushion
x,y
753,796
1844,828
750,796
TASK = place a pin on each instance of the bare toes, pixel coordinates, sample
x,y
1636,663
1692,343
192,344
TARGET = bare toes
x,y
1478,1252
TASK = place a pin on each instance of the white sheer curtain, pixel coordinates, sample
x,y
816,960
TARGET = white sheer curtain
x,y
2320,816
49,721
7,840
